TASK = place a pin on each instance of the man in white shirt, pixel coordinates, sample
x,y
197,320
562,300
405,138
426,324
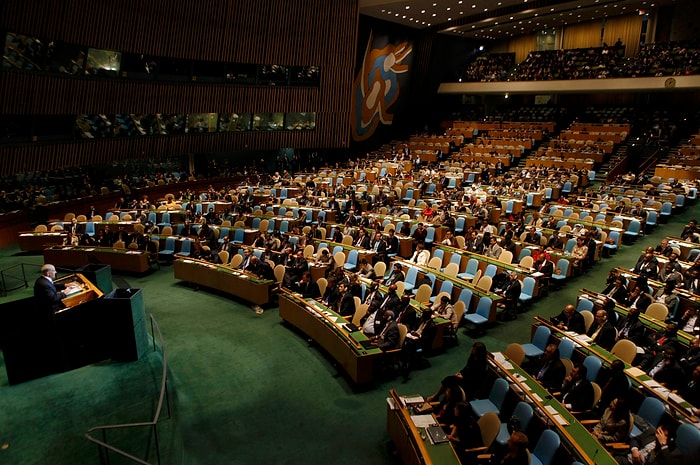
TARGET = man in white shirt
x,y
420,256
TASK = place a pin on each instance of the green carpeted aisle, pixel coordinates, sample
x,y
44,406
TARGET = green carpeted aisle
x,y
246,389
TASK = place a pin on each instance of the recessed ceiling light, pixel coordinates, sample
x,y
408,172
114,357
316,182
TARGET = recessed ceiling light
x,y
408,7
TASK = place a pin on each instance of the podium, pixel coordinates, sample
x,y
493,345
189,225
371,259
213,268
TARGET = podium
x,y
91,327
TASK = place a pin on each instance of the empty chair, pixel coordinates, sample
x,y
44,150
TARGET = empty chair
x,y
625,350
482,316
459,224
584,304
666,212
506,257
410,281
489,425
466,296
566,348
651,221
470,271
495,400
632,232
351,261
527,291
570,244
527,262
423,293
592,364
651,411
430,235
185,248
657,311
693,255
587,318
90,228
563,269
485,283
451,269
435,263
490,270
168,251
546,448
515,353
609,249
540,340
523,413
239,235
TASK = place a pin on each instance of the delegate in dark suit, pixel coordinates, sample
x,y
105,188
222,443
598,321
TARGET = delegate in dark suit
x,y
550,372
602,332
577,391
47,296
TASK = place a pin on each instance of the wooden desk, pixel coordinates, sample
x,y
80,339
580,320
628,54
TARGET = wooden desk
x,y
638,379
223,278
574,436
34,242
412,443
326,328
134,261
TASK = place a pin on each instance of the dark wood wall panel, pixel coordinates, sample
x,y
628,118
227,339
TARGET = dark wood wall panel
x,y
287,32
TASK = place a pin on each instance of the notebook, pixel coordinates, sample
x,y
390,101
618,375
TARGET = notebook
x,y
351,328
437,434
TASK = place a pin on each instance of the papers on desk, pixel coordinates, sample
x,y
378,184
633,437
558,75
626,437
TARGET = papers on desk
x,y
188,261
90,249
423,421
408,400
132,252
635,372
537,274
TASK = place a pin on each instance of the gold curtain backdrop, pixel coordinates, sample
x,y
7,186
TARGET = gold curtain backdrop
x,y
522,46
583,35
626,28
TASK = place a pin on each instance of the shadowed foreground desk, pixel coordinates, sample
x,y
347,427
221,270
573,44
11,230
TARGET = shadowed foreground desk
x,y
412,442
88,329
225,279
328,329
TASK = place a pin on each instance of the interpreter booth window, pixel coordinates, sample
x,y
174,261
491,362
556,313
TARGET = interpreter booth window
x,y
171,123
105,63
300,121
305,76
200,123
15,128
268,121
547,39
241,73
23,53
173,69
94,126
138,66
132,125
274,75
234,122
208,71
64,58
54,127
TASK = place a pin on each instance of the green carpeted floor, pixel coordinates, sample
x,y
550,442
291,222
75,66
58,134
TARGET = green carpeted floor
x,y
245,388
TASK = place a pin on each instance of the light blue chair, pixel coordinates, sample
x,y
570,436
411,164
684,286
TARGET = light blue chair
x,y
459,225
680,202
490,270
168,251
470,271
446,286
584,304
452,183
651,411
524,252
592,364
430,236
540,340
570,244
430,190
483,315
523,412
90,228
256,222
567,188
530,200
239,235
494,402
666,212
152,217
185,248
284,226
351,262
528,289
609,249
688,441
411,276
455,258
566,348
439,253
632,233
164,220
466,296
546,448
409,195
560,278
651,222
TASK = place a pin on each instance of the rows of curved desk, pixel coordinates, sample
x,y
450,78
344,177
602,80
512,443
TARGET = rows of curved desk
x,y
133,261
330,331
224,278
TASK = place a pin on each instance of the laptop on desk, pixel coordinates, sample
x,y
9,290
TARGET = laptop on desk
x,y
437,434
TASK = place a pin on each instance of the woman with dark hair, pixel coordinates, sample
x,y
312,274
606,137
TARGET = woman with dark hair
x,y
614,425
471,379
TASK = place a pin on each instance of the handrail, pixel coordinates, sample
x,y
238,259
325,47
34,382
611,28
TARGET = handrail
x,y
163,397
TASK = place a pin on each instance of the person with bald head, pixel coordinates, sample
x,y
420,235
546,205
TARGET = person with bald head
x,y
46,294
570,320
